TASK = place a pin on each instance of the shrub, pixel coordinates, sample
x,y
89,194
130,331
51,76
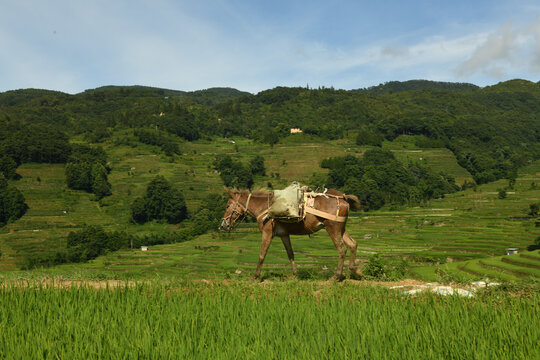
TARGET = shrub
x,y
161,201
533,209
92,241
378,268
234,173
535,245
12,202
257,165
87,170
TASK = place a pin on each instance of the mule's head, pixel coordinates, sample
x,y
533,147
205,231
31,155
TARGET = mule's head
x,y
235,210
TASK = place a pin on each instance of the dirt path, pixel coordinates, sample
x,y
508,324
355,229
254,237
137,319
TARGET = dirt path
x,y
405,286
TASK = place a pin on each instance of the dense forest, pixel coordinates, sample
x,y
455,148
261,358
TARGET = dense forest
x,y
492,131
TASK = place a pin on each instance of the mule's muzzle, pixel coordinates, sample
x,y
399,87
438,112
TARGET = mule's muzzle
x,y
225,225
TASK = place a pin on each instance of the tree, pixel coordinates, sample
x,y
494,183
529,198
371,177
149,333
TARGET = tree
x,y
86,244
8,167
234,173
161,201
138,211
100,185
87,170
92,241
79,176
257,165
534,208
12,203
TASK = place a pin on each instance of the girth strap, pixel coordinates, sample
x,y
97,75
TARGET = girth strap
x,y
325,215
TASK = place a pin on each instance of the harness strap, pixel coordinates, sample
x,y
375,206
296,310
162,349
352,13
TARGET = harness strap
x,y
264,213
325,215
247,202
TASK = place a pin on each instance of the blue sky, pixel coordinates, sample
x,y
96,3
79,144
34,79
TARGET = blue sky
x,y
73,45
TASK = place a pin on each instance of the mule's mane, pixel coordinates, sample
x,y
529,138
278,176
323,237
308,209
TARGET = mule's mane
x,y
258,192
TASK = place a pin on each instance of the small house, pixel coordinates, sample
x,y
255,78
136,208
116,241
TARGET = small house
x,y
296,131
144,248
511,251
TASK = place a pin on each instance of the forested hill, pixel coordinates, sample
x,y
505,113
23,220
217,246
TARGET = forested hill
x,y
491,130
395,86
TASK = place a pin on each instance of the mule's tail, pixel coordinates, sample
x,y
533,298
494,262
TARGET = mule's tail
x,y
354,202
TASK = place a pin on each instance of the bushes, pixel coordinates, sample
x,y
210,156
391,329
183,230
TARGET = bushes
x,y
157,138
87,170
379,178
257,165
378,268
234,173
83,245
12,205
534,208
93,241
161,201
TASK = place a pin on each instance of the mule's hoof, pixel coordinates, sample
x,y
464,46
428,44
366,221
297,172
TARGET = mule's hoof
x,y
338,277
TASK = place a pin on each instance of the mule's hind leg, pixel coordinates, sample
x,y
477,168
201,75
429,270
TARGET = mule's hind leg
x,y
351,243
336,234
287,243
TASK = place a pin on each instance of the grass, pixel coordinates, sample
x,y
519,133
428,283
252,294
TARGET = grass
x,y
224,320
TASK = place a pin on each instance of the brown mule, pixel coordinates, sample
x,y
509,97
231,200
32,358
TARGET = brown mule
x,y
333,206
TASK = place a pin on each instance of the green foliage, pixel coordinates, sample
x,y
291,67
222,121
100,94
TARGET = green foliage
x,y
12,203
100,185
8,167
78,176
234,173
161,201
83,245
379,268
398,86
98,135
534,208
86,170
158,138
41,143
502,194
492,131
369,138
535,245
93,241
257,165
379,178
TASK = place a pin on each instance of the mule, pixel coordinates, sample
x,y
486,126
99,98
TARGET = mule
x,y
329,211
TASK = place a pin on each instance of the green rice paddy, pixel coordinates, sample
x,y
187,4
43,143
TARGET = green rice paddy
x,y
280,320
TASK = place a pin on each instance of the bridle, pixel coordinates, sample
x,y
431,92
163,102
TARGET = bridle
x,y
241,214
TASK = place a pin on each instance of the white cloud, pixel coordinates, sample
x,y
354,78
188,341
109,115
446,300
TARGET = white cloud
x,y
508,51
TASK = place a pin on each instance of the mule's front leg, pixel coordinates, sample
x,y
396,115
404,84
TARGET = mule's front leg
x,y
267,236
287,243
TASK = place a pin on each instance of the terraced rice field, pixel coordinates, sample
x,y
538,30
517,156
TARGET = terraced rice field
x,y
468,225
507,267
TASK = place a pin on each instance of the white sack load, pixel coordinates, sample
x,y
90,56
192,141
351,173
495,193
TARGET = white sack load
x,y
286,202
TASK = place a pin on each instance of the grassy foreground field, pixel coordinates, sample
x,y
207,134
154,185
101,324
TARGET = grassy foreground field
x,y
276,320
